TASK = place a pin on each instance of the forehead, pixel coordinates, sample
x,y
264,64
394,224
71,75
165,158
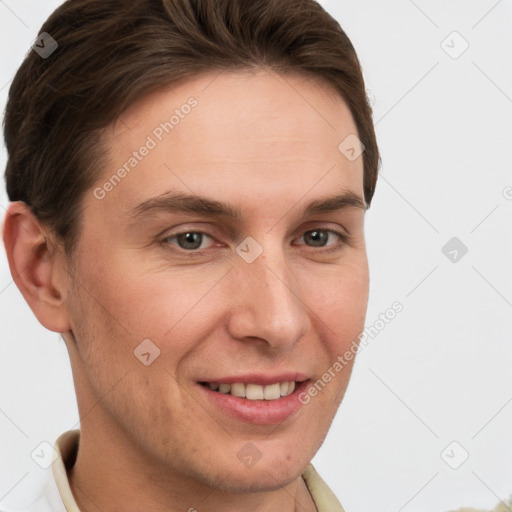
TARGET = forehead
x,y
252,92
259,131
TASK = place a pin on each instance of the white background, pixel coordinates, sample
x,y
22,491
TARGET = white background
x,y
441,370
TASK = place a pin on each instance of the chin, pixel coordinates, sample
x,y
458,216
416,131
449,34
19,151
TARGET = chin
x,y
262,479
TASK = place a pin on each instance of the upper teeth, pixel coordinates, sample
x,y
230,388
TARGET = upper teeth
x,y
255,391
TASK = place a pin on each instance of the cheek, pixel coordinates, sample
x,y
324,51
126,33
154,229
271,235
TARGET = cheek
x,y
144,299
339,305
108,318
175,309
169,305
338,312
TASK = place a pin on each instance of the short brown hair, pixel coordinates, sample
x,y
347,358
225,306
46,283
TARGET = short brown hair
x,y
111,52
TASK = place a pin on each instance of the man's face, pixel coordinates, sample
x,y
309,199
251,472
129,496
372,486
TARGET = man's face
x,y
218,306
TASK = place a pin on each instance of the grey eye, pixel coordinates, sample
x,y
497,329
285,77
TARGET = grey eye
x,y
317,237
190,240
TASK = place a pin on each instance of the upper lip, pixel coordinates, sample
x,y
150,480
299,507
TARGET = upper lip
x,y
260,378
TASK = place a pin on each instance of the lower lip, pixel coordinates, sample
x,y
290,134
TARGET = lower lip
x,y
260,412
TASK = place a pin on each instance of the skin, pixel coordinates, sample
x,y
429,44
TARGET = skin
x,y
268,145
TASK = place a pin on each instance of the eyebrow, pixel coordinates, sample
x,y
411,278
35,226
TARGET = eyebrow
x,y
185,203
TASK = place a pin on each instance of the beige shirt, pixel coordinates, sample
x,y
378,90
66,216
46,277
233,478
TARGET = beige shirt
x,y
56,496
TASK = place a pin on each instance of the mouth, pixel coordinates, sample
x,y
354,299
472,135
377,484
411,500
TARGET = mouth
x,y
260,403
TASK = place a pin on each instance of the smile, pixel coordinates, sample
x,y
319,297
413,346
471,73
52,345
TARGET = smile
x,y
263,403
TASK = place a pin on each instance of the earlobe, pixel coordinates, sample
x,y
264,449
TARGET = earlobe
x,y
37,266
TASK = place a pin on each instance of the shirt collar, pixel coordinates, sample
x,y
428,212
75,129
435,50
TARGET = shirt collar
x,y
67,448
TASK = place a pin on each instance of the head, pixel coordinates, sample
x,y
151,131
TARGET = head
x,y
188,197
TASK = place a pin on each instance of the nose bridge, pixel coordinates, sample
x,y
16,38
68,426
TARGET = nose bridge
x,y
269,305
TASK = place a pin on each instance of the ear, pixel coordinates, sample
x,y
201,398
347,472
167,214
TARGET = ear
x,y
38,266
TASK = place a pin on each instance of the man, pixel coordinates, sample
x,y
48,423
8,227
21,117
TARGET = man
x,y
188,182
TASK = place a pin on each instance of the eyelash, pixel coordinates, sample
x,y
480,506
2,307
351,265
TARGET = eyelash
x,y
344,239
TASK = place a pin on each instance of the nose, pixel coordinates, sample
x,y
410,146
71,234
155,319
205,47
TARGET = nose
x,y
267,303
